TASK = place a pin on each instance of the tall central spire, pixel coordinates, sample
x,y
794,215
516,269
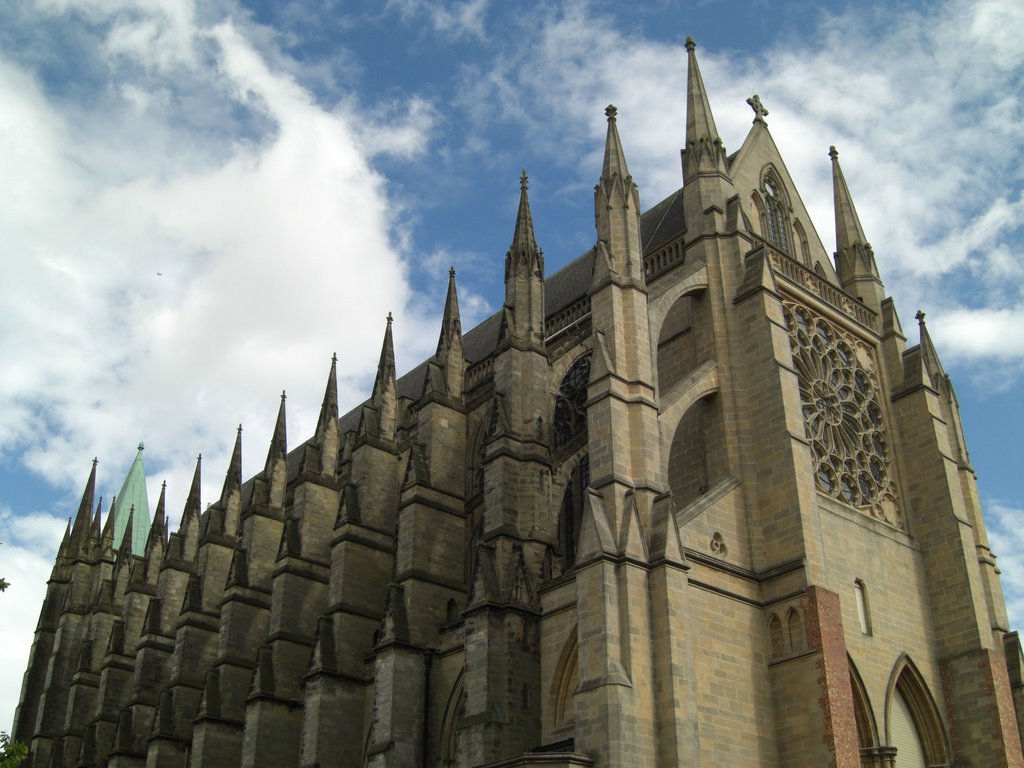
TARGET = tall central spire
x,y
704,152
133,494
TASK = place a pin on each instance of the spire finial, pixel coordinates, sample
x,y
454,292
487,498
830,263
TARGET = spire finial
x,y
283,395
451,272
833,153
610,112
919,317
390,319
239,429
334,358
142,445
524,181
690,45
95,461
759,111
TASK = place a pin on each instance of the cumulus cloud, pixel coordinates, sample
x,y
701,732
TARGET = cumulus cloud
x,y
930,148
171,279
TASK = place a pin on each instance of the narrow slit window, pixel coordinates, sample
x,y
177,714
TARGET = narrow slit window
x,y
860,592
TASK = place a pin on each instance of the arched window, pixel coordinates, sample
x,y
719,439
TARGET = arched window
x,y
776,224
571,514
571,403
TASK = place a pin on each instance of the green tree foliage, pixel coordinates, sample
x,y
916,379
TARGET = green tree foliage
x,y
12,753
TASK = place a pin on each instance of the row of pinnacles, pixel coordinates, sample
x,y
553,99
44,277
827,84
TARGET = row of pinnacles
x,y
567,538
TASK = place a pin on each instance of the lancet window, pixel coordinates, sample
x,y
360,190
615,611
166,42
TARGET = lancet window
x,y
571,516
776,222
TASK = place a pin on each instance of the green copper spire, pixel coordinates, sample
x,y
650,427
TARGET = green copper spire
x,y
133,494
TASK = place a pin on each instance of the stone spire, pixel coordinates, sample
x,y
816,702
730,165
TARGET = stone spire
x,y
275,471
329,407
83,520
158,529
279,440
704,153
524,276
326,438
133,494
617,214
450,356
193,507
386,364
385,390
125,549
233,478
451,323
855,261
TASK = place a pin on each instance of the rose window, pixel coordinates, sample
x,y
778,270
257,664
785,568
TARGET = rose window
x,y
842,415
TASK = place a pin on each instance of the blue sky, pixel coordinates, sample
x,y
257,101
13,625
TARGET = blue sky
x,y
202,201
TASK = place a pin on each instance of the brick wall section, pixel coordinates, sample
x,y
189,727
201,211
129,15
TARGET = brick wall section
x,y
984,727
825,635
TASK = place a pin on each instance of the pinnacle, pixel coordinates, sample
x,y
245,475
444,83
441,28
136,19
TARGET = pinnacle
x,y
523,239
614,155
192,502
233,478
704,151
451,323
849,232
329,407
279,440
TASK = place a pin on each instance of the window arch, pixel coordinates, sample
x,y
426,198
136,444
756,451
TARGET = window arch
x,y
913,724
867,734
451,747
571,403
775,207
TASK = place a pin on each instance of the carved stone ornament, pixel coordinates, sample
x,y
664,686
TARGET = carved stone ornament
x,y
842,415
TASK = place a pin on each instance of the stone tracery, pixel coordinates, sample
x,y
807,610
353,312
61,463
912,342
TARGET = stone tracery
x,y
842,415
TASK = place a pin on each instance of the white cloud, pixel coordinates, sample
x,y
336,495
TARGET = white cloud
x,y
174,291
1006,538
455,19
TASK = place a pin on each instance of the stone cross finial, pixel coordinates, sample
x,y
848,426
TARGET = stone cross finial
x,y
610,111
919,317
690,44
390,318
759,111
524,182
451,271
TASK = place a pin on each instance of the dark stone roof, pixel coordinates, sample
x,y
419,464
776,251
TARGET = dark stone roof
x,y
662,223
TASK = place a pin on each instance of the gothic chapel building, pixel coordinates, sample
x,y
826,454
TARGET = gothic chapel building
x,y
689,501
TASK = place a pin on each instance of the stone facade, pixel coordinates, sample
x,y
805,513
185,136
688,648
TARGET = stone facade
x,y
689,501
